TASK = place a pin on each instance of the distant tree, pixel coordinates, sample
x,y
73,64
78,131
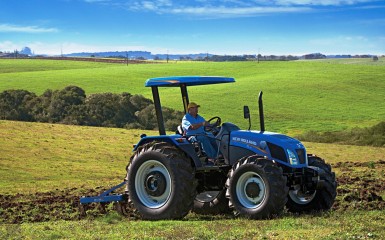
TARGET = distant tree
x,y
71,106
101,109
110,110
147,117
290,57
13,105
314,56
375,58
172,118
39,105
63,101
139,102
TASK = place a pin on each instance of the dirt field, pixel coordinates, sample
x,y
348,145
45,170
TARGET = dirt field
x,y
360,186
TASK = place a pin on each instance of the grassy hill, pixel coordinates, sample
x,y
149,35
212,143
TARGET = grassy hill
x,y
299,96
39,157
45,168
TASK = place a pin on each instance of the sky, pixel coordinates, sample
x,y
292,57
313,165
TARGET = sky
x,y
231,27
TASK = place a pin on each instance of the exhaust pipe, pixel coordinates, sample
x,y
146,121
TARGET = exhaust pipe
x,y
261,116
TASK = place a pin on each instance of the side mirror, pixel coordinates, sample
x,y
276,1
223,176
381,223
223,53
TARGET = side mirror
x,y
246,112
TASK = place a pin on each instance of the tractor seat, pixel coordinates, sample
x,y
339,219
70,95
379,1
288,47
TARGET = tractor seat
x,y
179,130
192,139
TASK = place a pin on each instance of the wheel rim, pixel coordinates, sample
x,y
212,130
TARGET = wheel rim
x,y
301,198
153,184
251,190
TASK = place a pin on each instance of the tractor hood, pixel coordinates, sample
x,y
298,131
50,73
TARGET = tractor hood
x,y
282,148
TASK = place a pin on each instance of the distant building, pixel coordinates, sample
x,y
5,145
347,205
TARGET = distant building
x,y
26,51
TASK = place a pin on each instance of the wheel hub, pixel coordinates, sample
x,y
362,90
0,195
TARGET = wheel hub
x,y
252,190
155,184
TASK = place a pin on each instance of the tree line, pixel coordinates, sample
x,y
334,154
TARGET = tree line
x,y
71,106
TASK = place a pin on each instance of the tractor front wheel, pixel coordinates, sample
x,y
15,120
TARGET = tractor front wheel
x,y
161,182
315,200
256,188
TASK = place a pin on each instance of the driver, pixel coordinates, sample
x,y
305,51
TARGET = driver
x,y
193,124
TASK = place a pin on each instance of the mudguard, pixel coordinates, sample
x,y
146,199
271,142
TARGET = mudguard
x,y
176,140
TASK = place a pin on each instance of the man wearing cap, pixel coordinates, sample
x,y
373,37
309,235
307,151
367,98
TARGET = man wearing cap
x,y
193,124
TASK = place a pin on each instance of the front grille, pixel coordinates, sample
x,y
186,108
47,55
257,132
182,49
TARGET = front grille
x,y
277,152
302,156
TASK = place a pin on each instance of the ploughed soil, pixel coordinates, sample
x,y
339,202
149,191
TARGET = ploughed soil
x,y
361,186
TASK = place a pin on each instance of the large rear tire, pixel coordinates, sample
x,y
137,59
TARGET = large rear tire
x,y
161,183
256,188
317,200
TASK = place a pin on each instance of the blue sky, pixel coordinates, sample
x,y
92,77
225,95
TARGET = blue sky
x,y
280,27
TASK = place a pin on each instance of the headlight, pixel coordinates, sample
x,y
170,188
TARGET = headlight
x,y
292,157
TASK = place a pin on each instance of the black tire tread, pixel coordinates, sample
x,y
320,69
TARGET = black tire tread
x,y
277,181
185,188
324,198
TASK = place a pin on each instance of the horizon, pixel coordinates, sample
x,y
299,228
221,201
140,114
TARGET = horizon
x,y
187,54
218,27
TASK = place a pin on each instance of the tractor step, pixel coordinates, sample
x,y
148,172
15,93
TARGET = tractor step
x,y
210,168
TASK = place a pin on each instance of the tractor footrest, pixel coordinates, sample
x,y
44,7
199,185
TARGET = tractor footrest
x,y
208,168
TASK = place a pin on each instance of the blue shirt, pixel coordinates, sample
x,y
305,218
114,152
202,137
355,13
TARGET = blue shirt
x,y
188,119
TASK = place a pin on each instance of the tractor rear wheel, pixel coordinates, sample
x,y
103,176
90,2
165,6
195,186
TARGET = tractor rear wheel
x,y
161,183
316,200
256,188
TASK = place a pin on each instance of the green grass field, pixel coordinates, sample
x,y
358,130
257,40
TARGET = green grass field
x,y
322,95
45,168
39,160
38,157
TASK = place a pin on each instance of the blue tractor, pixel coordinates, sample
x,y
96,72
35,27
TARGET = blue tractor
x,y
258,175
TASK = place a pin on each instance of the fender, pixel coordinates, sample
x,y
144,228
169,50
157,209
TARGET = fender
x,y
177,141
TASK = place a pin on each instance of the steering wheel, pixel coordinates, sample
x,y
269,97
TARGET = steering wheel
x,y
214,123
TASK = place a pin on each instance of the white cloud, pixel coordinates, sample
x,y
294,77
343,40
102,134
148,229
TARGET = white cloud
x,y
227,11
322,2
96,1
8,46
230,8
150,5
25,29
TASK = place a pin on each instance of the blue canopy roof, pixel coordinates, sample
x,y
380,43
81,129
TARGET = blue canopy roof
x,y
176,81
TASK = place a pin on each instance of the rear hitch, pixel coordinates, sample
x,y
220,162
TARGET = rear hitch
x,y
119,200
